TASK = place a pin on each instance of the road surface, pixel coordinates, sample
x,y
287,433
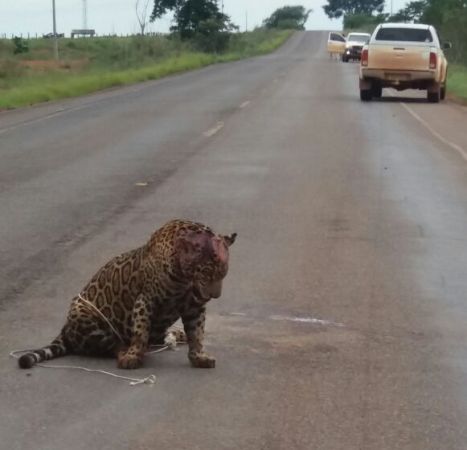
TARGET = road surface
x,y
343,319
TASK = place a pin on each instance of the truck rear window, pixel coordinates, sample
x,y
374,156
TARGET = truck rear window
x,y
404,35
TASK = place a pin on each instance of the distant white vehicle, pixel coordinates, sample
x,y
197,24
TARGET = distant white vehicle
x,y
354,45
336,44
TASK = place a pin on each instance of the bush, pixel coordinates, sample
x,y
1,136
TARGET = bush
x,y
21,46
211,36
216,43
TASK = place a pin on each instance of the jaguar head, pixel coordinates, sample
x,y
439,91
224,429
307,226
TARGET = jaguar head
x,y
204,258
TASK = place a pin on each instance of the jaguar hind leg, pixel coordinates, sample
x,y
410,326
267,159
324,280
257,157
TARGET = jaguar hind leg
x,y
89,336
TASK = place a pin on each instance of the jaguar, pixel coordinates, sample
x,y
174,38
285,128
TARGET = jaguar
x,y
133,300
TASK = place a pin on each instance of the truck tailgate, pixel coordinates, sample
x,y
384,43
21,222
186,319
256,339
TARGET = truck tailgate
x,y
399,56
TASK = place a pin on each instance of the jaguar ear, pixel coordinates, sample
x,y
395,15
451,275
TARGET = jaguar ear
x,y
229,240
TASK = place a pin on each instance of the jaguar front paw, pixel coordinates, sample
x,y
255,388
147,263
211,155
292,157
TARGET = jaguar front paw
x,y
129,360
202,361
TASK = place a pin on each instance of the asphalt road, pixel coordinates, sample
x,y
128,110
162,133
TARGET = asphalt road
x,y
343,319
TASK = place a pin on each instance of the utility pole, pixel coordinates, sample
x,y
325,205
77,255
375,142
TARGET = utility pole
x,y
85,15
246,21
392,7
55,31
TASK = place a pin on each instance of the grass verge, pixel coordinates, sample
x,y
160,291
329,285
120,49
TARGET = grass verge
x,y
457,81
28,88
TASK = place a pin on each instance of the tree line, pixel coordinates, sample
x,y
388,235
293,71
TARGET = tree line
x,y
202,22
448,16
206,25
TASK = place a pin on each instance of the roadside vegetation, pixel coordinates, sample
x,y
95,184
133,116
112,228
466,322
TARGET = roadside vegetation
x,y
457,80
448,16
91,64
29,74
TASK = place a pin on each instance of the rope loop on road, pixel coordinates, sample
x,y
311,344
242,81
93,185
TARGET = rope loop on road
x,y
169,344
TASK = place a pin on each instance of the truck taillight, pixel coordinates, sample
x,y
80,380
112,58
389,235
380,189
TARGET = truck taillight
x,y
433,60
365,57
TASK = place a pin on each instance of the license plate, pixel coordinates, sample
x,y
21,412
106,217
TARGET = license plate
x,y
397,76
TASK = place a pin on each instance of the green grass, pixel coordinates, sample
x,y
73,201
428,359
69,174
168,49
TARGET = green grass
x,y
52,86
113,62
457,81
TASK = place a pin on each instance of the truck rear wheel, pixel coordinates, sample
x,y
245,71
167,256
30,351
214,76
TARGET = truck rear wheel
x,y
434,93
366,95
377,91
443,92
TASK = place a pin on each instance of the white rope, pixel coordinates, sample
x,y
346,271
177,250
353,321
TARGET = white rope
x,y
101,314
170,344
151,379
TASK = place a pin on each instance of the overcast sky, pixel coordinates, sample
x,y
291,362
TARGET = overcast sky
x,y
118,16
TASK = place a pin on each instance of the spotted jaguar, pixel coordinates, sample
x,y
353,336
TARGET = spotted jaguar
x,y
133,300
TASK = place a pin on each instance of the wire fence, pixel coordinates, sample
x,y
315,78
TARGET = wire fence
x,y
30,36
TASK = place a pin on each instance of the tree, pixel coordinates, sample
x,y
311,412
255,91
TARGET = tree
x,y
438,12
411,13
338,8
142,10
448,16
291,17
194,17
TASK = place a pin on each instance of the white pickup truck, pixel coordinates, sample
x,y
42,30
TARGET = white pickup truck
x,y
403,56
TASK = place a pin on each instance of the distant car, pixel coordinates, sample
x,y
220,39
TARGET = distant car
x,y
354,45
336,44
51,35
404,56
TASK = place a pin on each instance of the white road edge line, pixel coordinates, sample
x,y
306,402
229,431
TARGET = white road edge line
x,y
424,123
214,130
245,104
445,141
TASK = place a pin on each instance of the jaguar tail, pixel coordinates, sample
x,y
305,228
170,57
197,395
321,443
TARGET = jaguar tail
x,y
56,349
